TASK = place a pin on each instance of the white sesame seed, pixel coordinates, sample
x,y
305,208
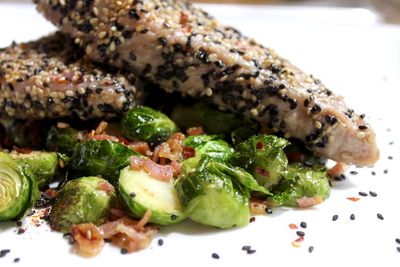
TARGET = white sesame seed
x,y
69,93
318,125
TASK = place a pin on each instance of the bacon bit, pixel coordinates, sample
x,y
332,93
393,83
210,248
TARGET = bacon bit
x,y
157,171
337,170
137,163
50,193
188,152
262,172
129,234
105,186
306,202
123,141
88,240
23,150
184,18
259,145
101,137
145,219
293,226
63,125
195,131
117,213
354,199
101,128
172,149
141,147
176,166
156,154
300,239
295,156
257,206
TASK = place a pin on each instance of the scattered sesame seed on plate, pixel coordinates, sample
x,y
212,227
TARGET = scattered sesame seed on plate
x,y
215,256
380,216
373,194
335,217
362,194
310,249
352,217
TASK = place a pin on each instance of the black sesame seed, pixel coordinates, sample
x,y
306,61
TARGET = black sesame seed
x,y
133,14
303,225
215,256
66,235
352,217
362,194
330,119
127,34
391,143
252,219
373,173
174,217
373,194
363,127
398,249
20,231
385,171
335,217
16,259
4,252
145,30
268,210
300,233
162,41
132,194
397,240
124,251
380,217
315,109
353,172
390,157
19,223
251,251
160,242
245,248
310,249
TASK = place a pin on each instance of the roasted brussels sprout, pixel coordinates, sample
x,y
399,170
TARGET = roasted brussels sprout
x,y
242,134
211,119
211,196
302,184
146,124
18,188
210,145
42,164
105,158
263,157
140,192
62,140
83,200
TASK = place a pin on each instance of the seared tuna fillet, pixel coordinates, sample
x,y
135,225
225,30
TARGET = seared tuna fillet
x,y
49,78
181,48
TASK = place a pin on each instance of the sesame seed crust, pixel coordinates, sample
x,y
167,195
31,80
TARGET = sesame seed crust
x,y
50,78
182,48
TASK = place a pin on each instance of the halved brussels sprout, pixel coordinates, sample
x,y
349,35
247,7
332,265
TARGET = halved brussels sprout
x,y
140,193
42,164
263,157
105,158
210,145
146,124
211,119
18,188
211,196
302,182
83,200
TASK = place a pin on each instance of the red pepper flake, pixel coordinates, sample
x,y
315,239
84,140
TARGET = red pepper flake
x,y
262,172
259,145
354,199
293,226
184,18
300,239
188,152
195,131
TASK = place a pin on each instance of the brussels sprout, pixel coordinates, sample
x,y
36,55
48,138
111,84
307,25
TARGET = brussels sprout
x,y
301,181
140,193
18,188
84,200
210,145
212,120
242,134
62,140
211,196
146,124
42,164
105,158
263,157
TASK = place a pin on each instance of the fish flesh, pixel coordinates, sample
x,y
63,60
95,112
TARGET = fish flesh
x,y
180,47
50,78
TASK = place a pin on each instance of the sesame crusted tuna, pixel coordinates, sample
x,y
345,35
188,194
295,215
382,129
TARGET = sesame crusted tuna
x,y
49,78
182,48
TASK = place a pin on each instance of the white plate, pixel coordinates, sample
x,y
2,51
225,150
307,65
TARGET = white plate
x,y
351,53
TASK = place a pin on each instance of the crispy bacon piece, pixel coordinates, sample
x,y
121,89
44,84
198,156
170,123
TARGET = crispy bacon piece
x,y
195,131
88,240
141,147
160,172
